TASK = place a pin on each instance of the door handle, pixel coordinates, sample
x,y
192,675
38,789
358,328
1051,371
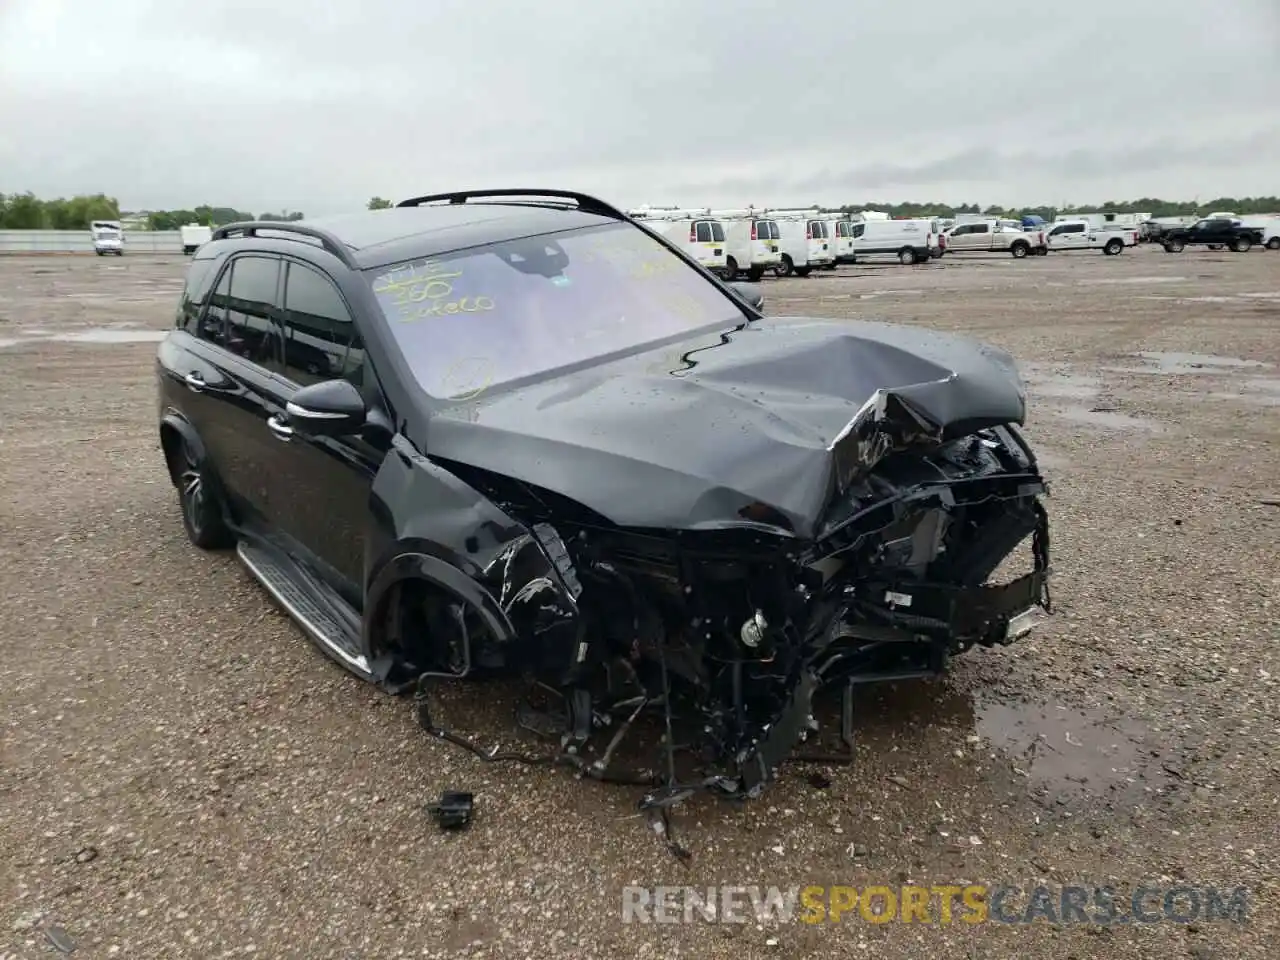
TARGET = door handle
x,y
281,429
194,381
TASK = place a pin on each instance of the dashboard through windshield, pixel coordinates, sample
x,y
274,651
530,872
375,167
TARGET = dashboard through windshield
x,y
510,311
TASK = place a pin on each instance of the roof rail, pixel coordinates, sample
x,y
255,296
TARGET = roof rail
x,y
250,228
586,203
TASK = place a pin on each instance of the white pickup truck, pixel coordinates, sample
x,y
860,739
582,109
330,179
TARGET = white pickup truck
x,y
1081,234
989,236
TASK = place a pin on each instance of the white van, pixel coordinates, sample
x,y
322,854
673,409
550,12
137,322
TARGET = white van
x,y
751,243
696,232
805,241
108,237
911,241
842,240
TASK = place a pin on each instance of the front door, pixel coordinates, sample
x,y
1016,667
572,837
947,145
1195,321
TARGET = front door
x,y
320,486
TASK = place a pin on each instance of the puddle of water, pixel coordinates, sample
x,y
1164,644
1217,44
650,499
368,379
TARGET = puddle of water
x,y
1253,400
1109,419
1117,280
1188,363
1047,382
112,336
1069,750
100,335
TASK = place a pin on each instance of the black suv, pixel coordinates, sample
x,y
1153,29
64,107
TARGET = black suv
x,y
517,432
1213,233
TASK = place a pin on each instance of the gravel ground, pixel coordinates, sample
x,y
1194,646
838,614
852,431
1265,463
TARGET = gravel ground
x,y
183,775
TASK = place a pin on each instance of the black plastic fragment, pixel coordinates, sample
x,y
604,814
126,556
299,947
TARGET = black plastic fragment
x,y
453,810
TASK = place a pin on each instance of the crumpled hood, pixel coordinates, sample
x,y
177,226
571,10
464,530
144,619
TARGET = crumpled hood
x,y
782,413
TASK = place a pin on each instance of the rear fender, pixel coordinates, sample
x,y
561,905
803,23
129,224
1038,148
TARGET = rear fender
x,y
174,427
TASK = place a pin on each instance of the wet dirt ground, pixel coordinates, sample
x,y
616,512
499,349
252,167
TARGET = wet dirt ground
x,y
183,775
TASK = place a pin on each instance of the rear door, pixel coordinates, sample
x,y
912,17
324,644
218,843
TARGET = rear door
x,y
961,238
242,360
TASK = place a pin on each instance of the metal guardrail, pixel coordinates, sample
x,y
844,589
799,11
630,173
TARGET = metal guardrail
x,y
79,241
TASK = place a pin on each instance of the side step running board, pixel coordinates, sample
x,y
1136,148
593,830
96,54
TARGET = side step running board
x,y
294,590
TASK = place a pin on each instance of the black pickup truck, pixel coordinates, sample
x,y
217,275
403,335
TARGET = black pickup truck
x,y
1215,233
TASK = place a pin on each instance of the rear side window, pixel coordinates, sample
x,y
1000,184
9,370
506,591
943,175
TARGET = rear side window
x,y
980,228
200,274
321,342
767,230
251,329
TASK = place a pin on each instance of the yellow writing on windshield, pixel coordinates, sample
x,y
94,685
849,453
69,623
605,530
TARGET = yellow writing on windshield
x,y
425,289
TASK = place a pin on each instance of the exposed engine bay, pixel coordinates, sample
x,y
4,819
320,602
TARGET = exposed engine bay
x,y
724,635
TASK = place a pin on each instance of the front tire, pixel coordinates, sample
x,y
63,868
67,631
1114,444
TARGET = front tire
x,y
786,268
201,512
1273,243
730,269
803,271
1174,246
755,274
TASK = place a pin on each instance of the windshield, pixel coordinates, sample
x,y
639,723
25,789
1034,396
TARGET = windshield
x,y
508,311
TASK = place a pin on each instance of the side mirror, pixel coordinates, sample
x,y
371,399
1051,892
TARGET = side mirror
x,y
331,408
749,292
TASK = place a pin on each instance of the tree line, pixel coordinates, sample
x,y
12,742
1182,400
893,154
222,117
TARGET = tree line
x,y
1243,206
26,211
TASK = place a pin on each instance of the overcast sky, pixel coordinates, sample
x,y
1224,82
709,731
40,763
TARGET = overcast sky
x,y
318,106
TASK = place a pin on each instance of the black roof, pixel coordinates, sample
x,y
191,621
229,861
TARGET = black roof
x,y
413,229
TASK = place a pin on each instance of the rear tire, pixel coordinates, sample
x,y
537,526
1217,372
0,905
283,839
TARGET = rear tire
x,y
201,511
786,268
1113,247
1020,249
731,269
1243,245
755,274
906,256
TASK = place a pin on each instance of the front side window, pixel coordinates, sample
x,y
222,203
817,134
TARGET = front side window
x,y
320,337
524,308
961,230
980,228
859,229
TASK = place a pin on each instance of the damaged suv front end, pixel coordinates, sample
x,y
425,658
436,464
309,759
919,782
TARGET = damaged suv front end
x,y
710,529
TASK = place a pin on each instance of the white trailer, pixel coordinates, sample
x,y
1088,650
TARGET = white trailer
x,y
193,235
694,230
751,243
805,240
